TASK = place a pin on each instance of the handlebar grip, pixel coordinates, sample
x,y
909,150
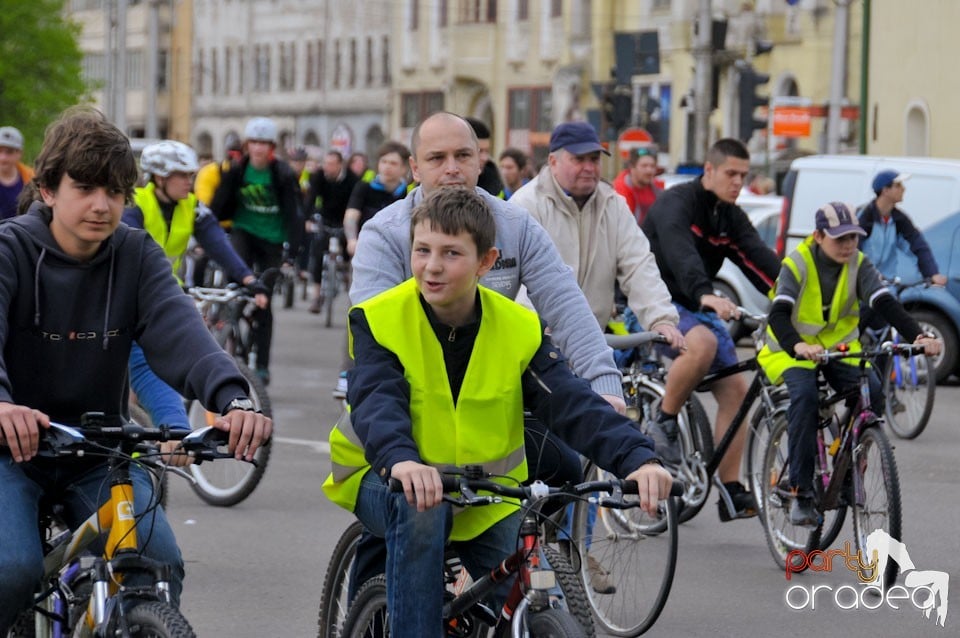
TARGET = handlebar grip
x,y
450,484
677,489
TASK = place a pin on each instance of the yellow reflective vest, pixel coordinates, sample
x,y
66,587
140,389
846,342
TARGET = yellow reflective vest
x,y
840,325
484,427
174,239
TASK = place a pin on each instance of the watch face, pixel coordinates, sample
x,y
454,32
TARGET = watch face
x,y
241,404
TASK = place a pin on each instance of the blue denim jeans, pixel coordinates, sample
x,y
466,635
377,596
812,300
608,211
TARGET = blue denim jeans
x,y
803,413
81,488
415,547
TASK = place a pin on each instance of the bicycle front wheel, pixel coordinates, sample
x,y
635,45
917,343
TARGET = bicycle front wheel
x,y
626,561
367,617
155,620
333,596
909,386
330,288
785,540
876,496
227,482
553,623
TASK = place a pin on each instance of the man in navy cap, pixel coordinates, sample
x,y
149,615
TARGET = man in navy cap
x,y
889,230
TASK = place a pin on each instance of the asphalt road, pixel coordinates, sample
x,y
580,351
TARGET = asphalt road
x,y
256,569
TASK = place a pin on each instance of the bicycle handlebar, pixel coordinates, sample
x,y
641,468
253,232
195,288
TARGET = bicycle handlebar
x,y
886,348
634,339
64,440
468,486
219,295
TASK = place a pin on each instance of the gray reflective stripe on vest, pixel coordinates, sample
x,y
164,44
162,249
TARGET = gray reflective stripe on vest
x,y
499,467
345,425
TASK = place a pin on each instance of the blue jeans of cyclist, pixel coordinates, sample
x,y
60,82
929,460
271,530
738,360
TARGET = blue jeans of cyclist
x,y
415,549
803,413
81,488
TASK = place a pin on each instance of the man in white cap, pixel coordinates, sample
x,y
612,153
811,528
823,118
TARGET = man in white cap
x,y
889,230
14,174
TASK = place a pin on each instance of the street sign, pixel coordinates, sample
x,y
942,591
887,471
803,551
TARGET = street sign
x,y
633,138
791,117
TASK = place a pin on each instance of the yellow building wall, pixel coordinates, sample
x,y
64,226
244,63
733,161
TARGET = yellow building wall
x,y
913,59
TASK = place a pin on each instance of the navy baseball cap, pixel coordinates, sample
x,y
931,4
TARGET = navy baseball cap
x,y
885,179
577,138
837,219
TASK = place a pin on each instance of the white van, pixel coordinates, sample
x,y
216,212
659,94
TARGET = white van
x,y
931,200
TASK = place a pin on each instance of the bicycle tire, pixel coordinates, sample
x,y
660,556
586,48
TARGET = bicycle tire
x,y
228,481
909,389
367,616
161,483
645,395
575,598
758,434
336,580
783,538
876,499
553,623
154,620
639,557
330,286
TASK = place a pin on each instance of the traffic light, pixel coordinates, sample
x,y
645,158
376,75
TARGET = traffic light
x,y
750,81
618,107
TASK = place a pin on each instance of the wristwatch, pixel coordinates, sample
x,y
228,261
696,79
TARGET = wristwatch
x,y
240,404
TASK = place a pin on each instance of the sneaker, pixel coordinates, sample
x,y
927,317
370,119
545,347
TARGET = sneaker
x,y
744,504
599,577
264,375
666,439
316,306
341,390
803,512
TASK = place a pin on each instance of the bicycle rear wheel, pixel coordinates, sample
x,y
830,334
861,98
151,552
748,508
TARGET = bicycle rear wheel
x,y
785,540
367,617
636,553
909,386
876,496
333,596
227,482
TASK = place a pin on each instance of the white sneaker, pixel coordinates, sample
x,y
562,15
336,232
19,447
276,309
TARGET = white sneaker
x,y
341,391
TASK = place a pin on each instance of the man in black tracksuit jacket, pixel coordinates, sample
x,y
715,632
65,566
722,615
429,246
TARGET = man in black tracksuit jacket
x,y
692,227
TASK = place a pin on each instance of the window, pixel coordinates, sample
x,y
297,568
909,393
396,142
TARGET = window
x,y
214,77
163,71
352,78
443,11
321,61
336,64
385,62
368,76
530,120
661,5
261,80
94,68
241,68
201,72
287,78
413,15
414,107
227,64
556,8
523,10
492,11
310,61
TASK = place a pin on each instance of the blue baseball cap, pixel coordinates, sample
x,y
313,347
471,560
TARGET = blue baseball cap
x,y
888,178
837,219
577,138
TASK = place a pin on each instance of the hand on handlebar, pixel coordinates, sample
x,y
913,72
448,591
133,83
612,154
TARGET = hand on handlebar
x,y
931,345
653,485
724,308
248,431
938,280
259,290
673,336
20,430
421,484
809,351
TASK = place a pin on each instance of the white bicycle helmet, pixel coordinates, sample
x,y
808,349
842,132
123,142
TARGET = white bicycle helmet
x,y
261,129
168,157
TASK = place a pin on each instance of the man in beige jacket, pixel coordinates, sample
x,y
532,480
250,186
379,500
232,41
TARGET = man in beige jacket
x,y
595,232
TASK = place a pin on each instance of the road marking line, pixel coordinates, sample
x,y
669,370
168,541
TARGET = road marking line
x,y
320,446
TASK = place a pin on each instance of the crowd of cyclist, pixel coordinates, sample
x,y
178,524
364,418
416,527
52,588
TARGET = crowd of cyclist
x,y
561,240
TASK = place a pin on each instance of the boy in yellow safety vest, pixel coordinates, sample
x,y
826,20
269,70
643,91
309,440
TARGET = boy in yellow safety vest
x,y
443,370
816,308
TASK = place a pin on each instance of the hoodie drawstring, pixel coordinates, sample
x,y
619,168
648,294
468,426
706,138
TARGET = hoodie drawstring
x,y
106,313
36,289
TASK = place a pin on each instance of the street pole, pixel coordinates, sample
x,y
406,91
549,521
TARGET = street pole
x,y
838,76
702,89
153,56
120,88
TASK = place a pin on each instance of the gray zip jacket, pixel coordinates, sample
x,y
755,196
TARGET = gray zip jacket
x,y
527,257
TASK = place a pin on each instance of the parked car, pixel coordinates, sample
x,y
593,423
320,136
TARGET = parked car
x,y
932,200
